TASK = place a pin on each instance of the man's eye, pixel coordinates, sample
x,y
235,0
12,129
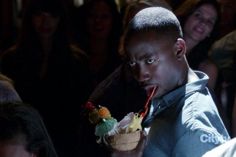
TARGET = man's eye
x,y
131,63
197,14
150,61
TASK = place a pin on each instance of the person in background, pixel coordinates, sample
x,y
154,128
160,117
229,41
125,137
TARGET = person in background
x,y
199,20
7,90
182,116
223,53
23,133
99,31
49,72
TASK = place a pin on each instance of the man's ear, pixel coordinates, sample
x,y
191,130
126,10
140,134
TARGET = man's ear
x,y
180,48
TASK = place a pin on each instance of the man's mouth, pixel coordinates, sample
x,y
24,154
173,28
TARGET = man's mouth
x,y
150,89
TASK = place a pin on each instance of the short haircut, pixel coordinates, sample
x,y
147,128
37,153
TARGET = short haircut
x,y
158,19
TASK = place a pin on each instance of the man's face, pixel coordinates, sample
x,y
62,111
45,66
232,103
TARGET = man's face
x,y
153,62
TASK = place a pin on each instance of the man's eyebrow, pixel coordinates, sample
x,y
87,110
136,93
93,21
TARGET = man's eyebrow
x,y
146,55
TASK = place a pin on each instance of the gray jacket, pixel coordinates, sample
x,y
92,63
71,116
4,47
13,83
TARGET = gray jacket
x,y
184,122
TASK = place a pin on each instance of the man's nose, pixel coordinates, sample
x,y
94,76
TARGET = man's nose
x,y
143,74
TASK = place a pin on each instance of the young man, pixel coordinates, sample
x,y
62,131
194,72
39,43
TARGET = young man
x,y
183,118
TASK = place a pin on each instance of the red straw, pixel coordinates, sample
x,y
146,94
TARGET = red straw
x,y
148,101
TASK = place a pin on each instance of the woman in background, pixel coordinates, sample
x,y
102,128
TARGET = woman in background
x,y
49,72
99,32
199,20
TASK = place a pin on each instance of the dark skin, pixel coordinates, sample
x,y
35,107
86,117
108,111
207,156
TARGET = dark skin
x,y
155,62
